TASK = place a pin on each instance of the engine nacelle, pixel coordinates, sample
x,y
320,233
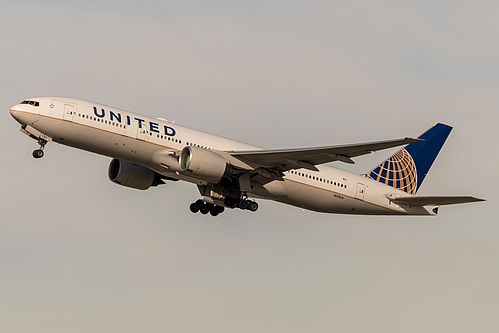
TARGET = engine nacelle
x,y
203,164
132,175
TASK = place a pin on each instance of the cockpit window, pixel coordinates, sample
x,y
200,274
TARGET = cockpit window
x,y
34,103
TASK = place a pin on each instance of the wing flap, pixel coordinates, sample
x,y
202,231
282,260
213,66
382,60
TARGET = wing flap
x,y
435,200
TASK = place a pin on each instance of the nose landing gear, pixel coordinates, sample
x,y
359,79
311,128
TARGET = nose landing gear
x,y
41,138
38,153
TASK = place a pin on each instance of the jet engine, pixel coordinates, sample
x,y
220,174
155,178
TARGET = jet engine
x,y
132,175
203,164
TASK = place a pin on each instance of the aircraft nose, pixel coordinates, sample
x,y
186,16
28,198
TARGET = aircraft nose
x,y
14,111
18,112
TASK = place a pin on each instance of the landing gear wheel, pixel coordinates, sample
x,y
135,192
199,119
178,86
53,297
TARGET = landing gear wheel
x,y
194,207
38,153
243,204
215,210
253,206
204,210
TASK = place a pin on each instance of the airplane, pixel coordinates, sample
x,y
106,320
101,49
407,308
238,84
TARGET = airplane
x,y
229,174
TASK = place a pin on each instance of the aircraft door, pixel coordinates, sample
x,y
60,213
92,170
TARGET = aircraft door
x,y
361,189
142,132
69,112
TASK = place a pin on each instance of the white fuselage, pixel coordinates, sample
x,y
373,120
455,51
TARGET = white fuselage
x,y
138,139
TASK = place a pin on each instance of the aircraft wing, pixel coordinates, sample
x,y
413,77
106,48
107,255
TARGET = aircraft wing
x,y
307,158
435,200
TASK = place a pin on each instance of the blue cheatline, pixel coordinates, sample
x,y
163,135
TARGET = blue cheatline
x,y
407,168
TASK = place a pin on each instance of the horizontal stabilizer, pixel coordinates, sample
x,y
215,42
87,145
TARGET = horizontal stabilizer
x,y
434,201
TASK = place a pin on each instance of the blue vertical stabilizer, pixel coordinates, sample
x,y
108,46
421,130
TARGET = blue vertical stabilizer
x,y
407,168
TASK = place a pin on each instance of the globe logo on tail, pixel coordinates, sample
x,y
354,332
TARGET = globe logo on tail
x,y
398,171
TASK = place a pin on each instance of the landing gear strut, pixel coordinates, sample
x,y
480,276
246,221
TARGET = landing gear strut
x,y
38,153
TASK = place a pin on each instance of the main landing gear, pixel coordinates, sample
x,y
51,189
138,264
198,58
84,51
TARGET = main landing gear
x,y
38,153
205,208
243,204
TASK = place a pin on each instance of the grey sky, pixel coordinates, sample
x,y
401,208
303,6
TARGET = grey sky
x,y
79,253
